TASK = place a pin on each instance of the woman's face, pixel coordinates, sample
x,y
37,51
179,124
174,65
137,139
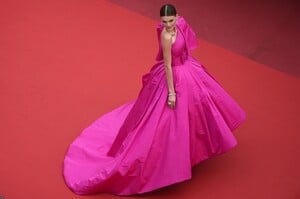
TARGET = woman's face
x,y
169,22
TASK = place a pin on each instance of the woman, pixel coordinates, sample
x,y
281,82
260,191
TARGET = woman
x,y
181,117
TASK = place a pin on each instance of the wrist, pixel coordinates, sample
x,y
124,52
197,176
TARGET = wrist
x,y
171,94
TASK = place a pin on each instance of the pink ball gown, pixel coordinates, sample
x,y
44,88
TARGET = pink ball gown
x,y
144,145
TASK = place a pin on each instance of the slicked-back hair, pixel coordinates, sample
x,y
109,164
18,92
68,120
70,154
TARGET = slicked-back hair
x,y
168,10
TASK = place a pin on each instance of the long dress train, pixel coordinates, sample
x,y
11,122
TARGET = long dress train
x,y
144,145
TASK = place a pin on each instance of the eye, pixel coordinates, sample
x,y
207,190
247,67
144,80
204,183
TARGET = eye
x,y
171,20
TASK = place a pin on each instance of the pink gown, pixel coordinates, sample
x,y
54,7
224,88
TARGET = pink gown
x,y
144,145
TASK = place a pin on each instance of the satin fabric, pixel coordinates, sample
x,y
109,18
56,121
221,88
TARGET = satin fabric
x,y
144,145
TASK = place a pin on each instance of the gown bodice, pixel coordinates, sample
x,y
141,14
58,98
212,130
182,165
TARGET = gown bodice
x,y
179,53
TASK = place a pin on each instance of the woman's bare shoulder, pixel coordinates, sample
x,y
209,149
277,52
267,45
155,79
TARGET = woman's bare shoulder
x,y
165,36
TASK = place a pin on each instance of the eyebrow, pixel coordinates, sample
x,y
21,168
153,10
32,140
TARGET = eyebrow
x,y
169,20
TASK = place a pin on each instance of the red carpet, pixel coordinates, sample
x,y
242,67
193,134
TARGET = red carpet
x,y
62,66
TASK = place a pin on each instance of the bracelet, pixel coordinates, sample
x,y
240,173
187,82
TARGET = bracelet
x,y
172,94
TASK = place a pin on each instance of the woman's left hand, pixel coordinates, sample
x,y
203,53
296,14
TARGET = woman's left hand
x,y
172,101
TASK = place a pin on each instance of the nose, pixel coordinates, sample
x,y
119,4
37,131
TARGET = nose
x,y
168,24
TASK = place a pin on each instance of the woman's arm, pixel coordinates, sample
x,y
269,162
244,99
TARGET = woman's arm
x,y
166,41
